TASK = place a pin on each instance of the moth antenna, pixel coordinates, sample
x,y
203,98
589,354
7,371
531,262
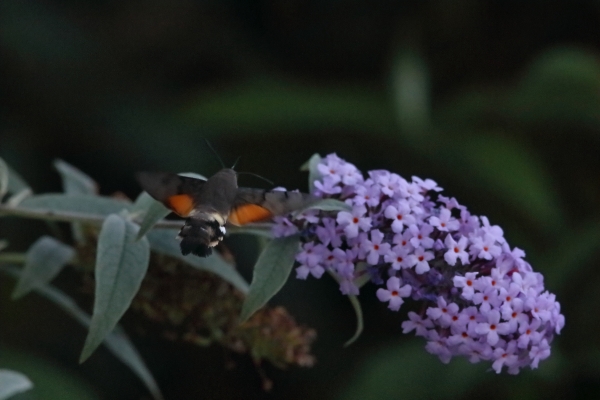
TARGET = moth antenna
x,y
270,182
214,152
235,163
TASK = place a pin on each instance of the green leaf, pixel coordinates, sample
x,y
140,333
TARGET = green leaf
x,y
325,205
77,203
152,211
3,178
16,183
74,181
45,259
410,83
359,320
575,251
561,87
164,241
121,264
407,371
17,198
117,341
12,383
313,171
514,174
3,244
279,105
270,273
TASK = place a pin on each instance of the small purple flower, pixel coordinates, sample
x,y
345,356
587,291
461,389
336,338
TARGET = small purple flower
x,y
354,221
427,184
484,247
492,328
420,325
539,352
394,293
487,299
400,213
375,247
420,235
329,232
505,356
303,271
344,262
438,346
529,333
420,260
443,313
368,195
513,313
283,227
398,258
456,250
445,222
466,283
328,186
494,231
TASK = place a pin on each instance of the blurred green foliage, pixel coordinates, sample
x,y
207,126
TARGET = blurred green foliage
x,y
499,102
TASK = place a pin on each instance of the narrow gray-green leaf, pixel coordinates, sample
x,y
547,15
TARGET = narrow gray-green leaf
x,y
75,181
141,203
45,259
313,172
154,212
121,264
3,178
16,183
270,273
12,383
164,241
3,244
17,198
359,320
325,205
117,341
78,203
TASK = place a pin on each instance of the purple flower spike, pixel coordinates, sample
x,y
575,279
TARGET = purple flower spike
x,y
480,298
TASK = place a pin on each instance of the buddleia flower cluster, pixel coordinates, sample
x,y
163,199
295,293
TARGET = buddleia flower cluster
x,y
482,300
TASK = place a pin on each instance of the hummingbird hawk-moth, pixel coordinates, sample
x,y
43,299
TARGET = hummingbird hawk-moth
x,y
208,205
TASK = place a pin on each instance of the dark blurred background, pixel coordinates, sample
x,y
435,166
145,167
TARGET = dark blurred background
x,y
498,101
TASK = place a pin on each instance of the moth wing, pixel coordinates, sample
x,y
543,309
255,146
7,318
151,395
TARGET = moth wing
x,y
178,193
254,205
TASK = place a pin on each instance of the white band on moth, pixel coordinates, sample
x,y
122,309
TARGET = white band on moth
x,y
222,229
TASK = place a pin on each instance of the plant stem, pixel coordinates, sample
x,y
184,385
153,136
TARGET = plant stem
x,y
12,258
67,216
97,219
